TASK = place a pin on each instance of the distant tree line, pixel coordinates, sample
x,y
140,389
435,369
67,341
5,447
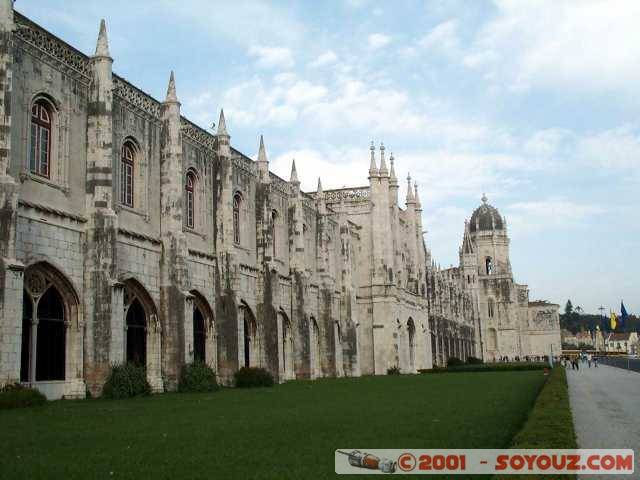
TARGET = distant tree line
x,y
575,320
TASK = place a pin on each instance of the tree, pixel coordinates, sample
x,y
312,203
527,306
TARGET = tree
x,y
568,309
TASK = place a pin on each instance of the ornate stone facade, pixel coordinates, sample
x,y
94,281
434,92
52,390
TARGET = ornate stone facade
x,y
128,233
510,325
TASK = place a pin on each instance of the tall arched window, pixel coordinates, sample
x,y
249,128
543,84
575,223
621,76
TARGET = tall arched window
x,y
489,265
237,200
126,174
490,308
316,369
40,148
199,335
190,199
251,357
274,220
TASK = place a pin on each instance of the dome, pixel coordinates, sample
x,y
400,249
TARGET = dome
x,y
486,217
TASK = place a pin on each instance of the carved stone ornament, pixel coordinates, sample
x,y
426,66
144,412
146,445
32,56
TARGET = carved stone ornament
x,y
35,283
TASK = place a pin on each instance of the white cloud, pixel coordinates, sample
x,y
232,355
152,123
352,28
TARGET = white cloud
x,y
378,40
327,58
255,103
348,167
618,148
249,22
549,43
304,93
443,37
550,213
271,57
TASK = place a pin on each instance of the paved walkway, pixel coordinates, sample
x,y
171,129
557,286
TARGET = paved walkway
x,y
605,403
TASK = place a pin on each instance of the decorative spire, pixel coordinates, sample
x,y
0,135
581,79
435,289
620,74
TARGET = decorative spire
x,y
410,198
222,124
467,245
392,173
383,165
102,46
373,169
484,198
415,186
320,198
171,89
262,154
293,178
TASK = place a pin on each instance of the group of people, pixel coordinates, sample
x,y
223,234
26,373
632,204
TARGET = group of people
x,y
576,359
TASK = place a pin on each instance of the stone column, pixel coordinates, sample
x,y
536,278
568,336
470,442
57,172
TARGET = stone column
x,y
102,225
173,269
228,348
11,269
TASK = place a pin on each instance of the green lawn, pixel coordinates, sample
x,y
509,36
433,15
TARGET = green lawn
x,y
289,431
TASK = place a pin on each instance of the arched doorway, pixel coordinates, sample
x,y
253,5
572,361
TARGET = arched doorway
x,y
203,344
339,352
136,333
250,335
411,333
314,341
286,346
142,332
199,335
44,336
51,344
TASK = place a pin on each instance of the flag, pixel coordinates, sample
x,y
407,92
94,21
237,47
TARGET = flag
x,y
623,313
614,320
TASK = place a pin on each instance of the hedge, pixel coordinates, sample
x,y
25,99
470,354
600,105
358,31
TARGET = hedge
x,y
489,367
17,396
125,381
248,377
550,423
197,377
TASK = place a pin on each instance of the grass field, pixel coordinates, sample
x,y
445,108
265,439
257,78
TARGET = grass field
x,y
289,431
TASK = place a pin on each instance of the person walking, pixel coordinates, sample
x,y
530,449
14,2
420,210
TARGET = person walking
x,y
589,359
595,362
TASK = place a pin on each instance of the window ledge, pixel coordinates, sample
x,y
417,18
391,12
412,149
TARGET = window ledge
x,y
29,176
240,247
192,231
135,211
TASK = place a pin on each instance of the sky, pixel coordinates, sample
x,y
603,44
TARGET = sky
x,y
535,103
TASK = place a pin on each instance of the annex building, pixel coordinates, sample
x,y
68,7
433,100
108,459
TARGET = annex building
x,y
128,233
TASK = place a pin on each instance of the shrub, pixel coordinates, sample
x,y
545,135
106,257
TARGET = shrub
x,y
454,362
197,377
550,422
248,377
489,367
474,361
393,371
125,381
17,396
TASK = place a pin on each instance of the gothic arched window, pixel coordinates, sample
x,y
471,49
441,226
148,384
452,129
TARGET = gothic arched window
x,y
237,201
199,335
190,199
274,220
489,265
40,148
126,174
